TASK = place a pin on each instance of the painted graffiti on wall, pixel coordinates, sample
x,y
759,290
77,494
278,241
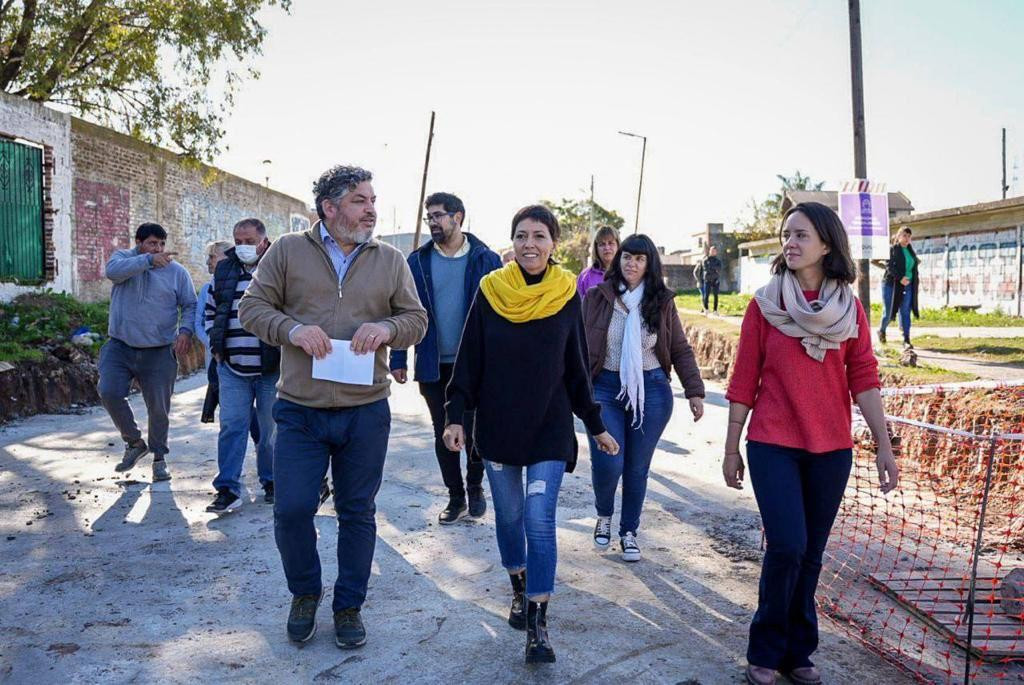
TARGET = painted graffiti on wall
x,y
102,213
299,223
970,270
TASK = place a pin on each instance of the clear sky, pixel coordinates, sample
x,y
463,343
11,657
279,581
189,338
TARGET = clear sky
x,y
529,96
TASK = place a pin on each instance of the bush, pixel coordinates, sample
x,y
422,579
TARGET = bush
x,y
37,320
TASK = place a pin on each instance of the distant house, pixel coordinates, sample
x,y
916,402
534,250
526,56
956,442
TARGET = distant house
x,y
971,256
403,241
899,204
755,257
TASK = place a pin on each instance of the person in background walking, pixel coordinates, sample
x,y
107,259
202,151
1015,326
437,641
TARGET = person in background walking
x,y
804,350
606,243
214,253
635,338
247,371
331,282
709,273
152,311
447,271
521,366
899,286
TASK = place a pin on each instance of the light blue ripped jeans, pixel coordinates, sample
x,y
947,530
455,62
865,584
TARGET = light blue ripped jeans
x,y
525,520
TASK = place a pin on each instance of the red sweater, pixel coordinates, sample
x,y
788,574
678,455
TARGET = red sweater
x,y
797,401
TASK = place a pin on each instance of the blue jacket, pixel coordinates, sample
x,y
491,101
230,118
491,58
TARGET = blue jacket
x,y
482,261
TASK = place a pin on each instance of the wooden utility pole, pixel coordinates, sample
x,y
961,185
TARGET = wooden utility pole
x,y
423,186
860,161
640,188
1005,187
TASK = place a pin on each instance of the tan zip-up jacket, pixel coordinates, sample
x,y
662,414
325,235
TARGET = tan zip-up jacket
x,y
295,283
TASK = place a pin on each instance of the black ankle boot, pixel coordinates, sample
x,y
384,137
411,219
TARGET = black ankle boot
x,y
517,614
538,649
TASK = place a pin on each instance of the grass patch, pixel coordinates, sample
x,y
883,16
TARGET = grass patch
x,y
889,364
710,322
1008,350
729,304
952,317
33,321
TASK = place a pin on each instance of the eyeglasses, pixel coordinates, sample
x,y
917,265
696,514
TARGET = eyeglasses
x,y
436,216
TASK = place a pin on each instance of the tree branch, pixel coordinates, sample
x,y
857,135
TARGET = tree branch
x,y
76,37
16,57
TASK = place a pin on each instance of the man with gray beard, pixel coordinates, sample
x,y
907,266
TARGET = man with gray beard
x,y
331,282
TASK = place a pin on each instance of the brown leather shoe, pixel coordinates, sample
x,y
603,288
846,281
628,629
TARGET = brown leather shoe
x,y
805,675
759,675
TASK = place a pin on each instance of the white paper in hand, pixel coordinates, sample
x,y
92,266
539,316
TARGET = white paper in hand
x,y
342,365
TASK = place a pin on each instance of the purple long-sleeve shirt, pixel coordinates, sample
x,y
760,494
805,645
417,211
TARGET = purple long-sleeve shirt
x,y
587,279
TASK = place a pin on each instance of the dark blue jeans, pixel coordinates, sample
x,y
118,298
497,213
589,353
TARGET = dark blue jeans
x,y
636,445
353,443
888,291
798,494
525,523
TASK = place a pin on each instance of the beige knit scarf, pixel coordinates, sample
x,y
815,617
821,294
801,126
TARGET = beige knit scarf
x,y
822,324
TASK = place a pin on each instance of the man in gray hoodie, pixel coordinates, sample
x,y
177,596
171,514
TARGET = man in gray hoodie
x,y
152,313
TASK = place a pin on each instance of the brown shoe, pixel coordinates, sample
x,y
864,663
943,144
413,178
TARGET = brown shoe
x,y
805,675
759,675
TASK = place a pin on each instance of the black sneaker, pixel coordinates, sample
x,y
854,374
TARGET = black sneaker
x,y
630,550
455,510
132,454
881,336
268,492
477,503
325,491
302,617
224,502
349,632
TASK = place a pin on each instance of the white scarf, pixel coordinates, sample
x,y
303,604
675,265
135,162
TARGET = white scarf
x,y
822,324
631,361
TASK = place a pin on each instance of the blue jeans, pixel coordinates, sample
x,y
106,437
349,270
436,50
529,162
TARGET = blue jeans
x,y
798,494
525,522
352,442
237,397
636,445
888,291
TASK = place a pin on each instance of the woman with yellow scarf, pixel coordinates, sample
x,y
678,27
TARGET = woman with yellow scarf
x,y
522,365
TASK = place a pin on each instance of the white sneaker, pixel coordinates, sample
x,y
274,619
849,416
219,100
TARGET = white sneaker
x,y
603,532
630,550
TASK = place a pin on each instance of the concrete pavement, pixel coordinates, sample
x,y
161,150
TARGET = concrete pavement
x,y
105,578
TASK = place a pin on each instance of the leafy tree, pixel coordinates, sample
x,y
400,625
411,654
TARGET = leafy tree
x,y
142,66
573,250
761,219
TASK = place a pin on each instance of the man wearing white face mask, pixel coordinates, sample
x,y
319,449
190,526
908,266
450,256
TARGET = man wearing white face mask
x,y
247,368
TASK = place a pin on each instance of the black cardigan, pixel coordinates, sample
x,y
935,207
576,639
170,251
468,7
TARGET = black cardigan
x,y
896,269
525,381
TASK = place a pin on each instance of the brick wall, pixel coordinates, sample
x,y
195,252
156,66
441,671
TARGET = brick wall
x,y
121,183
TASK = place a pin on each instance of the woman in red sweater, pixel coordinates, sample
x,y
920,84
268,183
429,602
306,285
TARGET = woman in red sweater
x,y
805,350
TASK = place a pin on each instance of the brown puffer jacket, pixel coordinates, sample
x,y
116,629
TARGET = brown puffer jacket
x,y
672,348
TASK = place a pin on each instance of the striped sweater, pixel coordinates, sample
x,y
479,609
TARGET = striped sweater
x,y
243,348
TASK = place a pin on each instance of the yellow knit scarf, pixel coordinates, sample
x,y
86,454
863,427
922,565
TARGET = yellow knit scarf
x,y
507,292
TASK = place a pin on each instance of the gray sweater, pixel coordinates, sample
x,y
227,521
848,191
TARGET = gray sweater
x,y
145,301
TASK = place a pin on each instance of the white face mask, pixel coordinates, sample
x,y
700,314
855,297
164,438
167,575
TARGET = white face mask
x,y
246,254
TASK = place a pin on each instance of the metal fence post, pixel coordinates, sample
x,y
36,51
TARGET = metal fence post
x,y
977,553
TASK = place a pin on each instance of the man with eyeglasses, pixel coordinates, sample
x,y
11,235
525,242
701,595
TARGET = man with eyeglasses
x,y
447,271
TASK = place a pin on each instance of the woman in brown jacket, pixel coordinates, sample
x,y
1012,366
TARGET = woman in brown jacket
x,y
634,338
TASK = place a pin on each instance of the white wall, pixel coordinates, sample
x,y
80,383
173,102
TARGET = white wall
x,y
38,124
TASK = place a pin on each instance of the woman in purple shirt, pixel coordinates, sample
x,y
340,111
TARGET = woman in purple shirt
x,y
606,244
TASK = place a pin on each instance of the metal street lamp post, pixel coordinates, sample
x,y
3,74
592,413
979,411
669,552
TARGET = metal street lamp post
x,y
640,188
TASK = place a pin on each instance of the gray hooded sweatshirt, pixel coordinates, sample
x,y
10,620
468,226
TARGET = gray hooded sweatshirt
x,y
145,301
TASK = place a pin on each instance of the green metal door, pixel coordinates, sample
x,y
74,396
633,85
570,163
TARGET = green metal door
x,y
21,212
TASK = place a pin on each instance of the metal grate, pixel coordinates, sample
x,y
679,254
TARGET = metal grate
x,y
21,213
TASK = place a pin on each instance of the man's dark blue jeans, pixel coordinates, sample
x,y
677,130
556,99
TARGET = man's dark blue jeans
x,y
352,442
798,493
